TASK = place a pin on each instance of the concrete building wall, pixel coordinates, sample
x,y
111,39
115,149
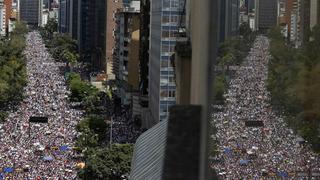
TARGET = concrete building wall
x,y
112,7
314,12
126,52
133,58
2,19
165,22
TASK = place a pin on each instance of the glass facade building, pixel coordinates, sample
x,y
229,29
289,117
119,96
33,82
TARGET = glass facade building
x,y
31,12
166,18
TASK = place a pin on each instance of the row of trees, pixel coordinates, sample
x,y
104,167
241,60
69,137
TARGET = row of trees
x,y
294,83
231,53
102,161
12,69
61,46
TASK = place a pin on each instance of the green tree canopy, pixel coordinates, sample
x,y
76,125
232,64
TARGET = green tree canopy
x,y
107,162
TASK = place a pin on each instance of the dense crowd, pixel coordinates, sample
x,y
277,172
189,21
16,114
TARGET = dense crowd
x,y
124,127
253,152
40,150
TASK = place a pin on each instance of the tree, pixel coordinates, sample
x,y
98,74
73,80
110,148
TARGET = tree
x,y
20,29
12,69
94,124
80,89
245,30
107,162
293,81
49,29
219,88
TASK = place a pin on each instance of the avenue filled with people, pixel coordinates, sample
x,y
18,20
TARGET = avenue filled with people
x,y
31,150
267,147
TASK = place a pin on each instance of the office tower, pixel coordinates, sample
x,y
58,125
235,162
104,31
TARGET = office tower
x,y
165,22
64,14
126,52
2,18
8,5
74,19
266,14
31,12
229,19
68,19
93,33
112,7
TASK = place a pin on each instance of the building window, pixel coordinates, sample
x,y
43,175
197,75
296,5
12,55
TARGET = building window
x,y
163,81
174,19
175,4
163,93
166,3
172,93
165,34
164,64
165,48
165,19
172,48
171,79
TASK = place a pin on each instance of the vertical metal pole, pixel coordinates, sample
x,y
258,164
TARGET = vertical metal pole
x,y
111,131
29,129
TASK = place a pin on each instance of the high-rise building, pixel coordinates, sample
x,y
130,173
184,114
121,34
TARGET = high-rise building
x,y
229,19
165,22
64,16
112,7
2,18
266,14
74,19
8,5
69,17
93,33
31,12
126,52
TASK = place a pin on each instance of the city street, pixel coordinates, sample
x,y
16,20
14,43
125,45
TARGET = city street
x,y
40,150
252,152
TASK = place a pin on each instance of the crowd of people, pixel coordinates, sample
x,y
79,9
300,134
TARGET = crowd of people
x,y
269,149
40,150
124,127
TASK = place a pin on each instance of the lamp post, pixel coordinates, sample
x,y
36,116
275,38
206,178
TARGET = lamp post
x,y
111,130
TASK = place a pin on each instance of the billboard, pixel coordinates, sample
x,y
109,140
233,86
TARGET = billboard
x,y
38,119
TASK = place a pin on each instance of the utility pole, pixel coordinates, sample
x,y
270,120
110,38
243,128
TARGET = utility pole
x,y
111,130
